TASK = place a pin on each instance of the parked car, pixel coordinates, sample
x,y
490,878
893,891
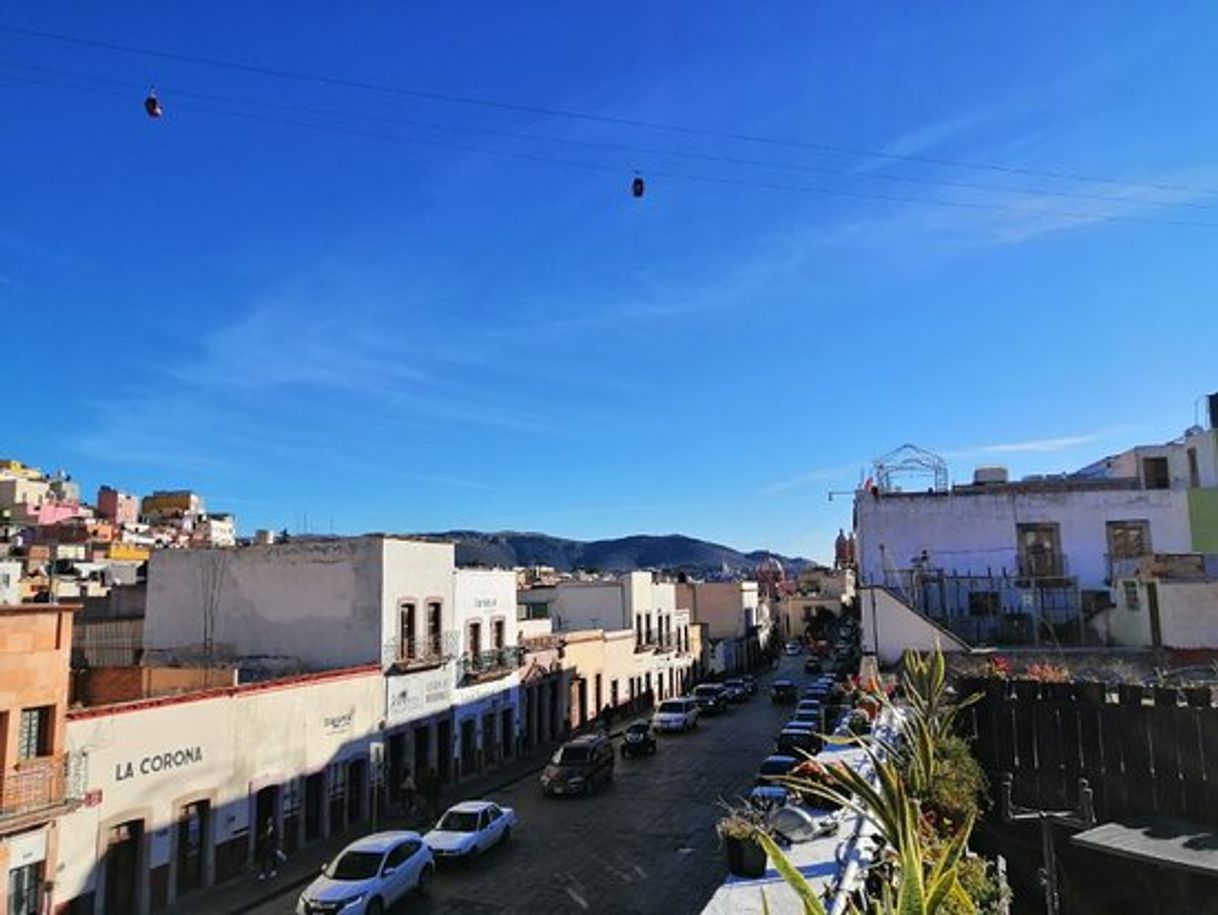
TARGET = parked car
x,y
812,705
782,692
794,648
470,828
791,740
712,698
802,724
579,766
768,797
773,766
816,690
637,740
369,875
679,714
735,690
750,683
814,717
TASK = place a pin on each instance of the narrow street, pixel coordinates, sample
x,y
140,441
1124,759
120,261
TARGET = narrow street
x,y
645,845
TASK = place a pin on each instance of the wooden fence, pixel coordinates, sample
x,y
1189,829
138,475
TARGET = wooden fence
x,y
1143,750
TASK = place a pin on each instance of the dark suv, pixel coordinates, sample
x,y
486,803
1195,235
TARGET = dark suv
x,y
783,692
712,698
579,766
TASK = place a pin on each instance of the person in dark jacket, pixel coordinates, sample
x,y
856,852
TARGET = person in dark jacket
x,y
268,850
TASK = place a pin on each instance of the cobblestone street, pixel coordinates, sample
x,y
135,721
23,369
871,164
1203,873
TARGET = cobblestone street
x,y
644,845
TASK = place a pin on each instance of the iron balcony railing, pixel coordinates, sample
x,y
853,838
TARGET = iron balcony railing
x,y
486,665
429,651
39,784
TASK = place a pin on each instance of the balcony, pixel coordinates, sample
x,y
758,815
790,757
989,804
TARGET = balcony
x,y
488,665
399,657
38,789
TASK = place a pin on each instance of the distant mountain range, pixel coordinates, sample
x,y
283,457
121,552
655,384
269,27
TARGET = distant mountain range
x,y
672,552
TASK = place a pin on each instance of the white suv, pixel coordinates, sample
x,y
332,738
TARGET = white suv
x,y
676,715
369,875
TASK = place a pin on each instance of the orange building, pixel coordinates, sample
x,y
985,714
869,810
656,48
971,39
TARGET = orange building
x,y
35,650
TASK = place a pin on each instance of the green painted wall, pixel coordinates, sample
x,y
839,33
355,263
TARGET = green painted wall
x,y
1203,517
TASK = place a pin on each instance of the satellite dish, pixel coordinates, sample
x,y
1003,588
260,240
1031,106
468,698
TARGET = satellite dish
x,y
152,105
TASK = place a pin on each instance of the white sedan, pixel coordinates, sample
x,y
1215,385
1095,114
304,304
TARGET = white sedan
x,y
470,828
369,875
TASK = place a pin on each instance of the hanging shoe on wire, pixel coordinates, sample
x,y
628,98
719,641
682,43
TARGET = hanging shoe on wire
x,y
637,187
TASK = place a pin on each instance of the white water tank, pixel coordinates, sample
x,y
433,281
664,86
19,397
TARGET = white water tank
x,y
994,473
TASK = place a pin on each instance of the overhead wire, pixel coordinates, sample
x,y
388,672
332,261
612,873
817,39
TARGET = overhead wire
x,y
657,172
648,150
591,117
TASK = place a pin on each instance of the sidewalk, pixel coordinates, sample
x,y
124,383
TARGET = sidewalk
x,y
247,892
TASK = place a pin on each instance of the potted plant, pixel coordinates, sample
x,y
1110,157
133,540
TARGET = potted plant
x,y
738,830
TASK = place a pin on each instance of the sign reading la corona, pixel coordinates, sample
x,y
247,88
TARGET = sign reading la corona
x,y
158,762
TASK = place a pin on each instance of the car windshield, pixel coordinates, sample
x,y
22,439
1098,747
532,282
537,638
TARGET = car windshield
x,y
707,689
571,756
459,821
355,865
672,708
734,683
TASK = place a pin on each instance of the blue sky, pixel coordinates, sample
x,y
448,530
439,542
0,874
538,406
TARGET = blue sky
x,y
389,312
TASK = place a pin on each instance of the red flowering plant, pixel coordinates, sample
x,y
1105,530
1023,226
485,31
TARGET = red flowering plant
x,y
1048,673
998,666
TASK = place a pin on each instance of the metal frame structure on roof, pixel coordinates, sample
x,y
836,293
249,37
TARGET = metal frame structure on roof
x,y
909,461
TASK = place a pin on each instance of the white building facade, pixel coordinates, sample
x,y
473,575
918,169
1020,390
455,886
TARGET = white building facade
x,y
1012,562
176,789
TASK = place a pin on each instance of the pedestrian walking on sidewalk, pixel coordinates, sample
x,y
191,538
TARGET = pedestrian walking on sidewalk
x,y
607,717
268,850
408,793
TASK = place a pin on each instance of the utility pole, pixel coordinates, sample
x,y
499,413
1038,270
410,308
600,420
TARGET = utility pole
x,y
1081,817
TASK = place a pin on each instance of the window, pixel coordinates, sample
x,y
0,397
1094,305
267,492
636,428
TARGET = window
x,y
401,853
1039,550
434,620
25,890
497,635
1154,473
475,639
1132,598
338,780
1128,539
1194,471
34,739
406,639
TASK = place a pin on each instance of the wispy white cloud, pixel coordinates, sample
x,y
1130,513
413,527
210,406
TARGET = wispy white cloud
x,y
820,475
1033,446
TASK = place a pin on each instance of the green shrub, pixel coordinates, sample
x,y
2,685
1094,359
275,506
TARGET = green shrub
x,y
959,789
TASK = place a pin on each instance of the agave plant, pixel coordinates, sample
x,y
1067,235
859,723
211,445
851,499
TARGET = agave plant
x,y
921,887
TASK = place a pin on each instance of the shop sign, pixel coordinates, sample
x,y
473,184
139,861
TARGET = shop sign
x,y
168,761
